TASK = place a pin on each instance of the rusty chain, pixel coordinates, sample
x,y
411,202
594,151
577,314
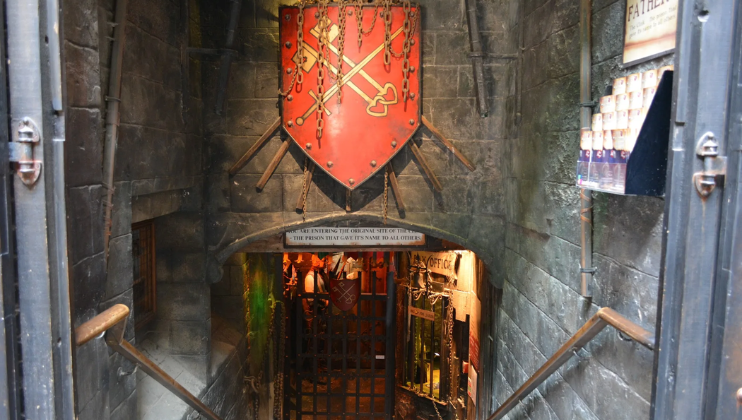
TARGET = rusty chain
x,y
359,20
342,19
304,190
298,76
322,52
386,194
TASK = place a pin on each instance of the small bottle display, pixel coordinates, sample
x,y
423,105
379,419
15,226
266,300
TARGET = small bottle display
x,y
605,148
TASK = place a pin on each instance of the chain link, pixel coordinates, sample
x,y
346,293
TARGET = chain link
x,y
342,19
304,190
322,61
386,193
298,76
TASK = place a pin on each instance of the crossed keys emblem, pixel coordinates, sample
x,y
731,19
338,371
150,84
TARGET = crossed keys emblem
x,y
379,97
345,295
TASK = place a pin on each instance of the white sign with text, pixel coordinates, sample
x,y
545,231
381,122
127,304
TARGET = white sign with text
x,y
354,237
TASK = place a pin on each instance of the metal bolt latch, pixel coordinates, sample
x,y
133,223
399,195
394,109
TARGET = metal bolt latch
x,y
714,166
22,151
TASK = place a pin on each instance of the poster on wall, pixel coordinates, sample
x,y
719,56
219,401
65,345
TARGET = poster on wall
x,y
650,28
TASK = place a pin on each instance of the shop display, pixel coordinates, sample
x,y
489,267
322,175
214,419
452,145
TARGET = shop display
x,y
607,146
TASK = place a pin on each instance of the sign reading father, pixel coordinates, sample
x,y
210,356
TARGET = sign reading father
x,y
354,237
650,29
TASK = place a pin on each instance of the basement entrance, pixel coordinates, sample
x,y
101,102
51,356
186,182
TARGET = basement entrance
x,y
341,367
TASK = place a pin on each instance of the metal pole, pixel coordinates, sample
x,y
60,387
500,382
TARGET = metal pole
x,y
227,55
112,118
26,102
59,273
586,199
391,333
476,57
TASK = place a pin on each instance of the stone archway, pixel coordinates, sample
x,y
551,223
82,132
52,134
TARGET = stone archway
x,y
484,239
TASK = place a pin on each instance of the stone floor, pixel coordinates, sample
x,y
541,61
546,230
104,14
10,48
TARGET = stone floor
x,y
199,375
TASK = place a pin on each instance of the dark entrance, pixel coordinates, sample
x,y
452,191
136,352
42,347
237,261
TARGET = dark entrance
x,y
340,367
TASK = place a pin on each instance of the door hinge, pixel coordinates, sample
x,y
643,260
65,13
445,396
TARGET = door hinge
x,y
714,166
25,139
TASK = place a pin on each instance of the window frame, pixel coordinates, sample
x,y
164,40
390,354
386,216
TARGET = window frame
x,y
149,277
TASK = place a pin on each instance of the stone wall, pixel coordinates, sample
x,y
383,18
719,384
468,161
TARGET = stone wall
x,y
469,211
541,304
158,170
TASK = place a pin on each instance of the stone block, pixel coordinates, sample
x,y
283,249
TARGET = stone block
x,y
452,48
608,26
261,46
428,48
458,195
180,231
82,76
149,57
81,23
417,195
127,410
161,19
266,12
245,198
458,119
96,409
438,81
629,230
190,337
539,24
564,52
92,373
188,267
163,109
183,301
251,117
243,82
120,266
84,150
536,65
122,380
88,287
443,15
121,214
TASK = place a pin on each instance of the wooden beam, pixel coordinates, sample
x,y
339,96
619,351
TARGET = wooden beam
x,y
456,152
251,152
272,166
307,185
395,187
426,168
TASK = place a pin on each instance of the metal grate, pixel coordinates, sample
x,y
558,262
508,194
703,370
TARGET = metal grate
x,y
341,366
144,264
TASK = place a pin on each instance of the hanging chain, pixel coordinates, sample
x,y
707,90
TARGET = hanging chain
x,y
298,76
406,49
342,19
304,190
387,4
386,193
322,52
358,4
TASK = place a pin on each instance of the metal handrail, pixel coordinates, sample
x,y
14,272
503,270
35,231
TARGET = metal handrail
x,y
112,322
604,317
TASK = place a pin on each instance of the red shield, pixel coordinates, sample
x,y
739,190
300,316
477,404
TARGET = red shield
x,y
344,293
373,121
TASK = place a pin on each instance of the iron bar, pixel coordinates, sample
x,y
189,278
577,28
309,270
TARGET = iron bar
x,y
391,332
273,164
112,322
255,147
586,198
604,317
456,152
425,167
395,188
113,115
476,57
58,261
227,55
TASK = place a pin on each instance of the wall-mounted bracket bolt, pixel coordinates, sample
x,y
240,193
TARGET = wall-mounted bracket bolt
x,y
714,166
25,138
